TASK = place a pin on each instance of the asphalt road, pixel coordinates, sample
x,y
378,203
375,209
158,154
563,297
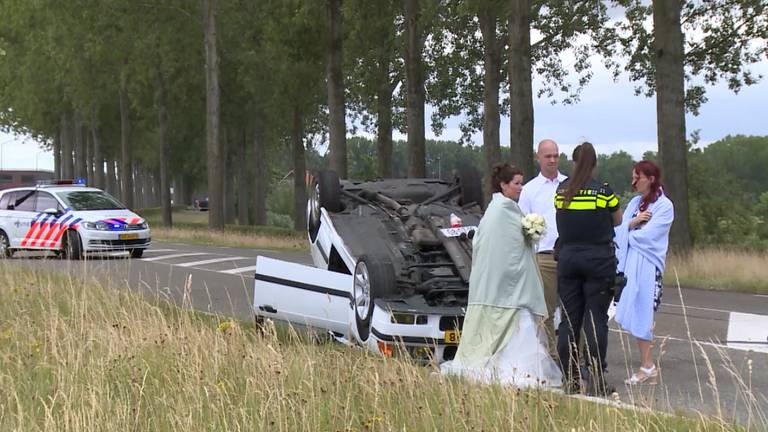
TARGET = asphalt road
x,y
713,351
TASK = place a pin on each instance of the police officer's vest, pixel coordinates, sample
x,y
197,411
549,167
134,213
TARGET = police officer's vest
x,y
586,219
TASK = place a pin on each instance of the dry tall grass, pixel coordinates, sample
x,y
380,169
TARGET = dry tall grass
x,y
721,269
228,238
77,357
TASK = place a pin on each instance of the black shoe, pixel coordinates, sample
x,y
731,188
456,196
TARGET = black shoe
x,y
571,387
600,388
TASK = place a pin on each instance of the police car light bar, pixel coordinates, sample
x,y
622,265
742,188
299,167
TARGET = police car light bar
x,y
68,182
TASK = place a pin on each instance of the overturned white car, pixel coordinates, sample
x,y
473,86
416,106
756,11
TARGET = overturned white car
x,y
392,261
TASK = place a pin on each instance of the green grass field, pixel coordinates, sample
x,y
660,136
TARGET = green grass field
x,y
76,356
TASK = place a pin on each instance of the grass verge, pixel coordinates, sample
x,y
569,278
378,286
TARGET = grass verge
x,y
76,356
232,237
192,227
721,269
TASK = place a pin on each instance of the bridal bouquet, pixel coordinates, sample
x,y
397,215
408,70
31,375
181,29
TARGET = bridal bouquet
x,y
534,227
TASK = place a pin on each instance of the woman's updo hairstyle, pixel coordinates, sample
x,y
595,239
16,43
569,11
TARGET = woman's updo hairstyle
x,y
503,173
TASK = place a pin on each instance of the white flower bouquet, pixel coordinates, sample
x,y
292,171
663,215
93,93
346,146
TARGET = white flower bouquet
x,y
534,227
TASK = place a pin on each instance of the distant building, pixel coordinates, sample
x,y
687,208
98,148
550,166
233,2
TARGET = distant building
x,y
17,178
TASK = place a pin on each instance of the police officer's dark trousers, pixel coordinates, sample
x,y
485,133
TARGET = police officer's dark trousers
x,y
585,275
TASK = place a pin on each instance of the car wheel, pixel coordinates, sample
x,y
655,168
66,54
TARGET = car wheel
x,y
137,253
313,219
373,278
470,186
329,191
73,247
5,246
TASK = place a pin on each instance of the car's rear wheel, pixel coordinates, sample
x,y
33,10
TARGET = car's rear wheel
x,y
73,247
5,246
373,278
137,253
326,192
470,185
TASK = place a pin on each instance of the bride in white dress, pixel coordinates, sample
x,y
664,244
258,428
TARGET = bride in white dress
x,y
503,338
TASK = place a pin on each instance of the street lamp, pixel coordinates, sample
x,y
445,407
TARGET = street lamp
x,y
36,155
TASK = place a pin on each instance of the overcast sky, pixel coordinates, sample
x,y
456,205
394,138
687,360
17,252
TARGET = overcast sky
x,y
609,115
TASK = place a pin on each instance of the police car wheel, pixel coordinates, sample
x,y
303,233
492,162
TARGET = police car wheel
x,y
73,248
5,246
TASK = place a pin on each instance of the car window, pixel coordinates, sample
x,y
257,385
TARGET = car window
x,y
4,200
90,200
25,200
45,201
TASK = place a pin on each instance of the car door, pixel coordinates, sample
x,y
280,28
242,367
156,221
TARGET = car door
x,y
302,295
25,215
6,216
46,223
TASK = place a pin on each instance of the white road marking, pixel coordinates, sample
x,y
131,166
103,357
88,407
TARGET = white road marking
x,y
162,257
744,327
761,295
663,305
160,250
239,270
211,261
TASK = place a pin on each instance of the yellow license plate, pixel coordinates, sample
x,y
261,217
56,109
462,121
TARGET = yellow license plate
x,y
452,336
133,236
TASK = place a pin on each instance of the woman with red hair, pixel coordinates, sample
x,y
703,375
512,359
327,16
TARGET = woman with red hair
x,y
642,240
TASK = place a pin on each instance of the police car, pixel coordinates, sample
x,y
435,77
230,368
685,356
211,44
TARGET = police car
x,y
69,219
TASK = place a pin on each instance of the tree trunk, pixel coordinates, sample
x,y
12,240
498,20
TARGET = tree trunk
x,y
98,158
165,150
67,167
520,86
212,92
299,170
491,82
337,131
261,180
384,118
57,153
126,159
415,96
111,182
670,116
80,154
242,179
229,186
88,156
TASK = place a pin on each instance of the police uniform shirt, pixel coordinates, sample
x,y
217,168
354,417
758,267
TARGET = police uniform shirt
x,y
587,218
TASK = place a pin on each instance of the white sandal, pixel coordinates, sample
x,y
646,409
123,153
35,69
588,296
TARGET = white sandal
x,y
649,376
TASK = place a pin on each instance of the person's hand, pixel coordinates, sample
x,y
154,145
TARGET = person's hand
x,y
640,219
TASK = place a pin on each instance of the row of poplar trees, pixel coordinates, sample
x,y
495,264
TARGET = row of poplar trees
x,y
207,94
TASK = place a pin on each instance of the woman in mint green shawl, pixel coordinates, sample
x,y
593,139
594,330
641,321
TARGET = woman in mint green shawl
x,y
503,339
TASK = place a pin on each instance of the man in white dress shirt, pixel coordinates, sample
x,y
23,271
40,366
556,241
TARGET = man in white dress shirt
x,y
538,196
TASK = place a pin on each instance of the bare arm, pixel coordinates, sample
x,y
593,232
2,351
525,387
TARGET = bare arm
x,y
617,215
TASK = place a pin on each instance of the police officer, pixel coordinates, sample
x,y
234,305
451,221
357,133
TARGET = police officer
x,y
586,212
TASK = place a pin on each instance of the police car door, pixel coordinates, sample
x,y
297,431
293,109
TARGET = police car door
x,y
48,211
24,217
303,295
6,216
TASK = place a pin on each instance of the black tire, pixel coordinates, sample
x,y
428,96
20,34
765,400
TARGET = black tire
x,y
5,246
330,191
73,247
137,253
325,192
381,283
470,185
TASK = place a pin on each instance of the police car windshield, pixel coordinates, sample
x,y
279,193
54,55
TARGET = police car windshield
x,y
89,200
